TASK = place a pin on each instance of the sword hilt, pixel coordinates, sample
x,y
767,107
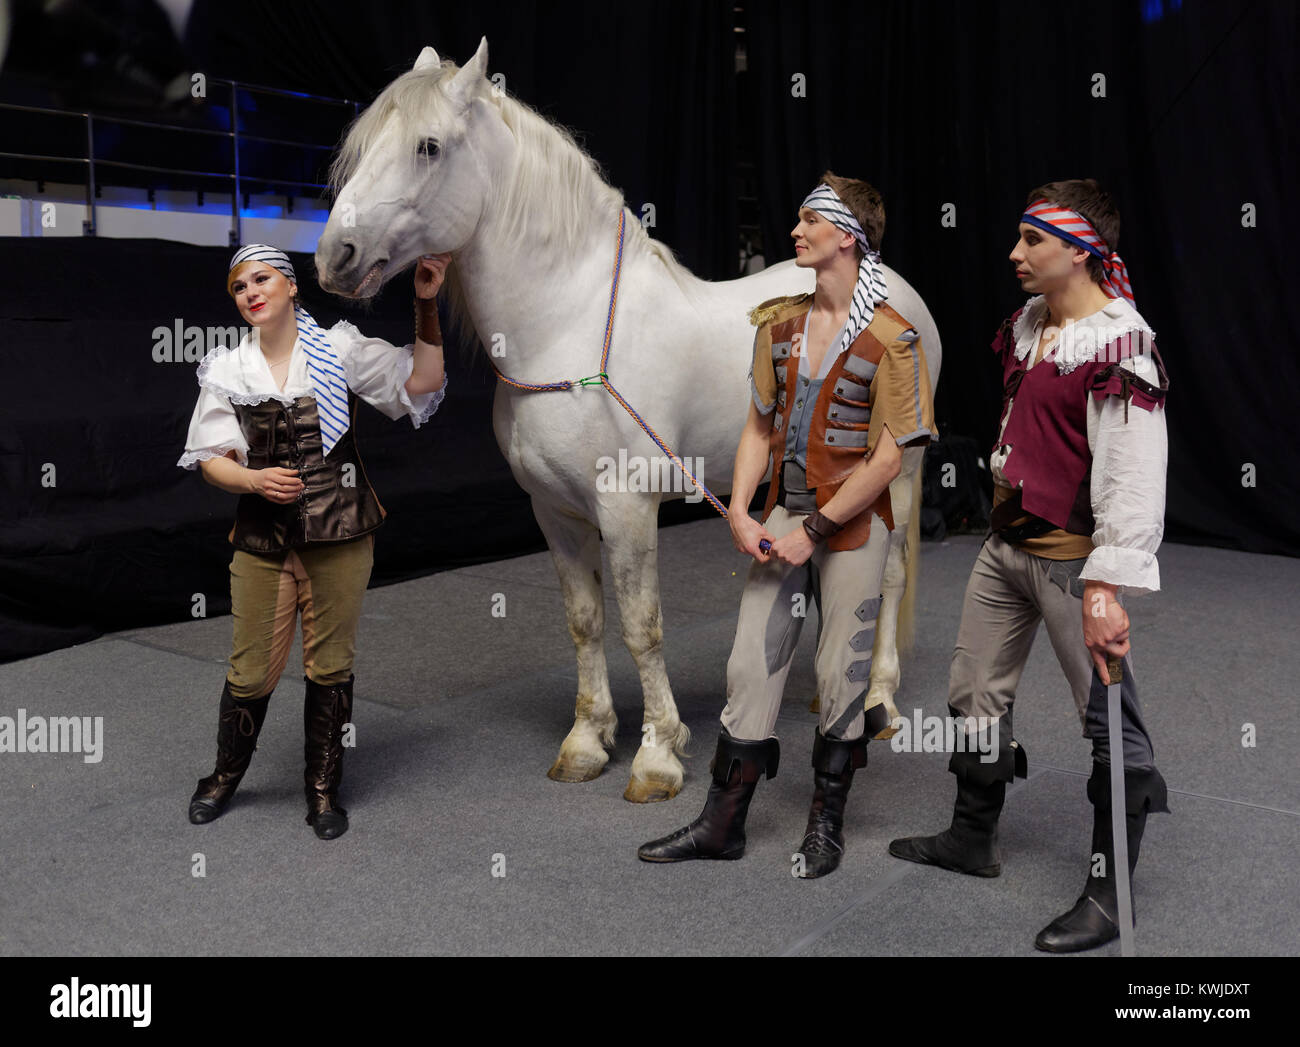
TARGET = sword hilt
x,y
1115,669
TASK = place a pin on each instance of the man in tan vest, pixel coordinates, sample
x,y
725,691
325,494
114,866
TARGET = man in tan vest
x,y
839,385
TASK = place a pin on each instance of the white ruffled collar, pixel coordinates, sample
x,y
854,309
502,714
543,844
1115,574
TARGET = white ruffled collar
x,y
241,373
1081,341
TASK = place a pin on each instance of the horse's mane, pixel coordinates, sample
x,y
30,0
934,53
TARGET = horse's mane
x,y
555,189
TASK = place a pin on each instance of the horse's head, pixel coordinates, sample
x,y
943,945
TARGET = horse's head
x,y
413,174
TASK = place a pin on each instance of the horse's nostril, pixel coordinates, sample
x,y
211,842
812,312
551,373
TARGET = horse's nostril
x,y
346,254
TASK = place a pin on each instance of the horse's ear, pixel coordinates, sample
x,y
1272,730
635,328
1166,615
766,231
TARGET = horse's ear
x,y
469,75
428,59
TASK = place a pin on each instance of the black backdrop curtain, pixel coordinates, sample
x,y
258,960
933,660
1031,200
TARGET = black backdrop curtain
x,y
124,538
975,104
648,88
99,530
960,103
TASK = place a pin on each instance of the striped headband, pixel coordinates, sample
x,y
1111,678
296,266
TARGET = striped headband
x,y
1073,228
323,366
870,288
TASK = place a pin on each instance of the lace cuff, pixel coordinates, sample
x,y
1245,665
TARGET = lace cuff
x,y
191,459
421,408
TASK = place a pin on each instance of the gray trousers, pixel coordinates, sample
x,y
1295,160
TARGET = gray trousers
x,y
773,609
1009,592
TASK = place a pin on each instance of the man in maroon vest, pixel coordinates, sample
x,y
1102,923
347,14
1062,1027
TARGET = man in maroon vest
x,y
839,384
1079,485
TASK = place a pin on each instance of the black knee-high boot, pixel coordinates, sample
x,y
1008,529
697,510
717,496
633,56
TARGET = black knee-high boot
x,y
719,831
970,844
239,722
326,709
834,762
1094,920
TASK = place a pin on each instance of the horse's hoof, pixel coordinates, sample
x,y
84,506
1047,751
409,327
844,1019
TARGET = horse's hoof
x,y
816,705
652,790
891,711
569,771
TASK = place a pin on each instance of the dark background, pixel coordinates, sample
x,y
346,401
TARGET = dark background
x,y
963,103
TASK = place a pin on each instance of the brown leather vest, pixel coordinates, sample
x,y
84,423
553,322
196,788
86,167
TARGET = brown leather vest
x,y
337,502
841,421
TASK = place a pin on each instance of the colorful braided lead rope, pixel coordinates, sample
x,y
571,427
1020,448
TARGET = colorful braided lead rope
x,y
602,378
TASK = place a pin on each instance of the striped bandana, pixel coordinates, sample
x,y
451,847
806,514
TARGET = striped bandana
x,y
323,367
870,288
1073,228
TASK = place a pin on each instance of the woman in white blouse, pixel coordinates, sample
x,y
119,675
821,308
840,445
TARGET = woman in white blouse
x,y
274,424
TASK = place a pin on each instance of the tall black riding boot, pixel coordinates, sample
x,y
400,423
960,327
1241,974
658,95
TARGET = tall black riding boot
x,y
1094,920
834,762
970,844
719,831
325,712
239,722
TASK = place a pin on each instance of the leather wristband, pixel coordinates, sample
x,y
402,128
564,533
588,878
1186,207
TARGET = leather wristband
x,y
819,527
427,327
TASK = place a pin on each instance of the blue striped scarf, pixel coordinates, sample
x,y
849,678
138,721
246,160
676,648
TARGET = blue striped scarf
x,y
323,366
870,288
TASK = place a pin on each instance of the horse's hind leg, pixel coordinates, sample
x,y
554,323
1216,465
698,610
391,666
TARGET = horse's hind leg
x,y
631,533
575,548
885,670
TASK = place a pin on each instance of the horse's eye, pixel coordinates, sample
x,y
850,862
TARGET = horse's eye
x,y
428,148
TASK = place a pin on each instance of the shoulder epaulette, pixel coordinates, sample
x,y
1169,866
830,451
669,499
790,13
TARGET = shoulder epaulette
x,y
772,309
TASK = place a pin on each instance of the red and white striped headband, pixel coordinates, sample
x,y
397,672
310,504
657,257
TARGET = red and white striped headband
x,y
1073,228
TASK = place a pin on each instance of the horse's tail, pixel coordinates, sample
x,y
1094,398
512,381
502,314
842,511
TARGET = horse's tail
x,y
905,628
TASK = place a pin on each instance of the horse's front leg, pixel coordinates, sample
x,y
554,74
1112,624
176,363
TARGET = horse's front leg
x,y
575,548
630,526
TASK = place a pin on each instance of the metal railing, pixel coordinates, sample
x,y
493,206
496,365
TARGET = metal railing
x,y
235,176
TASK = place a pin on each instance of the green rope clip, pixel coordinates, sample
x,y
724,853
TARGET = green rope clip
x,y
595,379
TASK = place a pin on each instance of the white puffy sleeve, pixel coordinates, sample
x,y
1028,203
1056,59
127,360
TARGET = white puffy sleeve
x,y
1128,489
377,372
214,430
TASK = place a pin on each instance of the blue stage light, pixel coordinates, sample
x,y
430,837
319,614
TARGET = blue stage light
x,y
1154,10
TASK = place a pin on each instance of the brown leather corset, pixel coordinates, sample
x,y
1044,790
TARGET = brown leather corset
x,y
337,502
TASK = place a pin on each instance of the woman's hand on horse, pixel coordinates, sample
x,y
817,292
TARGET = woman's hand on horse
x,y
429,273
276,484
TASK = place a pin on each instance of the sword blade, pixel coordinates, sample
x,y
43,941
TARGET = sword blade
x,y
1118,821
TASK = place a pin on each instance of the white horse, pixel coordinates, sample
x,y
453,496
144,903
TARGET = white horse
x,y
445,161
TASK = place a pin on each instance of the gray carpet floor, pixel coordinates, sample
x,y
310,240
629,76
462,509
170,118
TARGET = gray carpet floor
x,y
459,714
